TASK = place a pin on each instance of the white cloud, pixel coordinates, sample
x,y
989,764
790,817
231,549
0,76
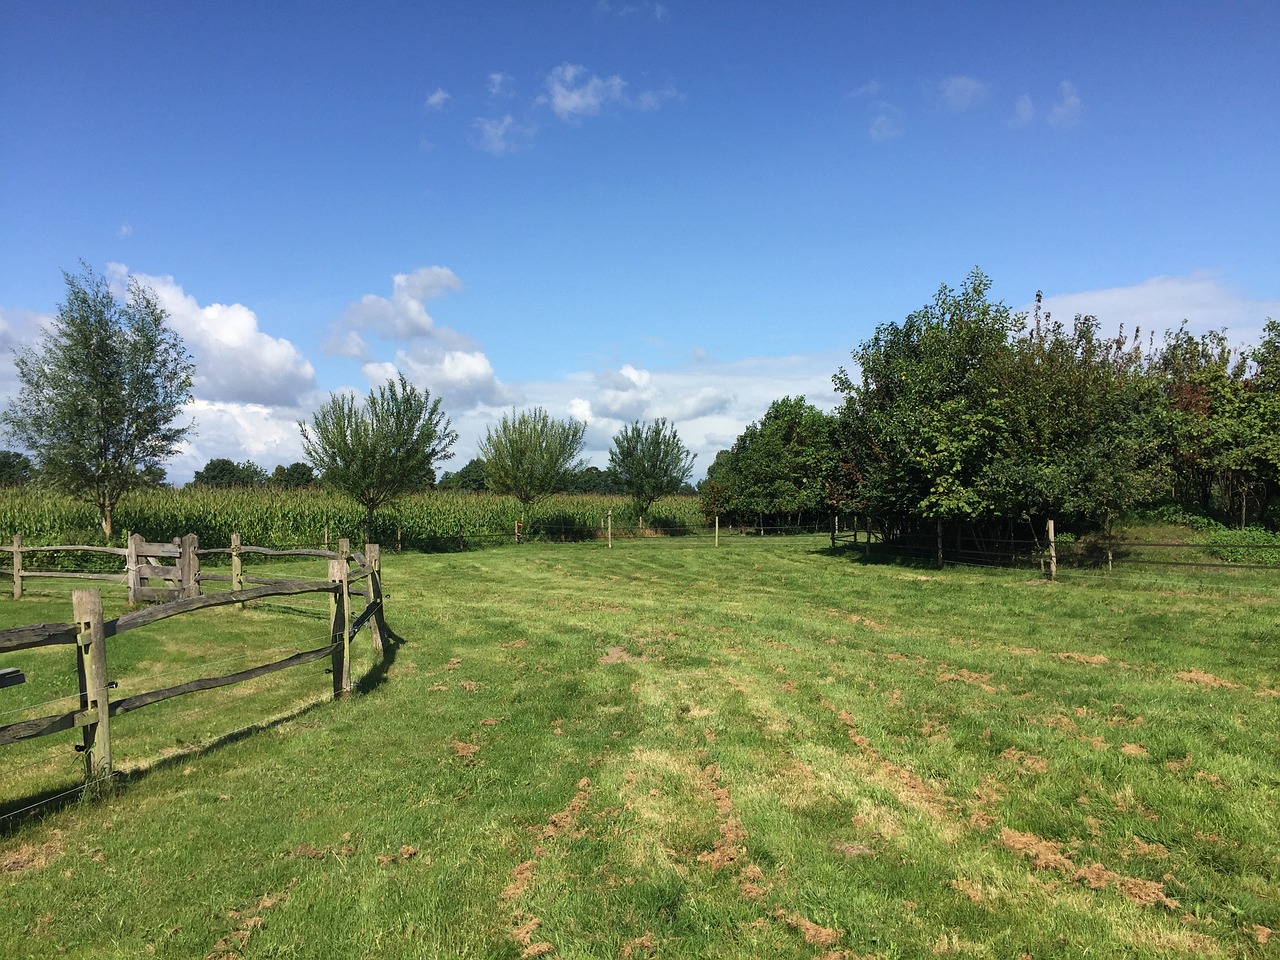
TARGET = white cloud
x,y
573,94
655,10
402,316
501,136
1066,112
869,89
499,84
463,379
961,93
1162,303
235,361
125,231
1024,110
888,123
437,100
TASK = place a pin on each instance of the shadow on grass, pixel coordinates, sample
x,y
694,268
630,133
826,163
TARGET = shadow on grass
x,y
16,813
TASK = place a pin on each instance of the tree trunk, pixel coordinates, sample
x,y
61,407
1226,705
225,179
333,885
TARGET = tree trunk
x,y
104,516
368,525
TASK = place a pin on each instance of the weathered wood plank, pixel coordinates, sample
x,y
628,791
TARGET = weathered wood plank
x,y
162,594
125,704
267,552
11,677
116,551
149,571
72,575
159,549
27,729
284,588
36,635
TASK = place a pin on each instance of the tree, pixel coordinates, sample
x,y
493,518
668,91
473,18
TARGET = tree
x,y
381,449
100,393
530,455
222,472
469,479
16,469
294,476
650,461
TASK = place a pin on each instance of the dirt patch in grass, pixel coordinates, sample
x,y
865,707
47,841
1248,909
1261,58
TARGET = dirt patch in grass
x,y
1091,659
617,655
1134,750
231,945
980,680
1027,763
32,856
1043,854
1047,855
1199,677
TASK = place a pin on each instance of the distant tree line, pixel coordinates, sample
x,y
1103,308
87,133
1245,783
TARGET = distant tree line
x,y
967,413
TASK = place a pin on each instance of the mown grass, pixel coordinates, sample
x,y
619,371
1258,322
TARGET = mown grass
x,y
671,750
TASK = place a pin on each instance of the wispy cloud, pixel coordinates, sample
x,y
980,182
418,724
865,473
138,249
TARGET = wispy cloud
x,y
1066,112
1162,303
499,84
655,10
437,100
125,231
869,89
888,123
573,93
502,135
1024,111
961,93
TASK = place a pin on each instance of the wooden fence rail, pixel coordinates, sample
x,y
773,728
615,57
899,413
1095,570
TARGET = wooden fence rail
x,y
89,632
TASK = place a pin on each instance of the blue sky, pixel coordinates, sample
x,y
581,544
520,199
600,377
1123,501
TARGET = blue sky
x,y
622,210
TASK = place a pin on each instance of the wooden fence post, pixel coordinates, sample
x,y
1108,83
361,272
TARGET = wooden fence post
x,y
17,566
237,565
339,618
91,665
189,567
1053,552
373,594
132,559
609,521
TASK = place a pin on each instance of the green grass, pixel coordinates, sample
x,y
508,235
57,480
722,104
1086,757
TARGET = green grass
x,y
672,750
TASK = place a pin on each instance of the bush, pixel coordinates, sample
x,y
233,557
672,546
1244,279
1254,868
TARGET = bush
x,y
1252,545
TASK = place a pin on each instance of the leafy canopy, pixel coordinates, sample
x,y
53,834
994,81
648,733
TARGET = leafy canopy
x,y
100,393
650,461
376,450
531,455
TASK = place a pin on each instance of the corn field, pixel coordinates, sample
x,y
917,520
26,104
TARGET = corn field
x,y
287,519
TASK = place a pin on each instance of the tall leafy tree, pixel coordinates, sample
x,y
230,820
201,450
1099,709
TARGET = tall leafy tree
x,y
224,472
381,448
650,461
294,476
100,394
531,455
16,469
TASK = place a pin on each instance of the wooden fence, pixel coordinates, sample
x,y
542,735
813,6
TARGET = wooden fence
x,y
89,631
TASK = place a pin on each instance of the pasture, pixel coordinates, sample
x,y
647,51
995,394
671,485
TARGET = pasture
x,y
668,749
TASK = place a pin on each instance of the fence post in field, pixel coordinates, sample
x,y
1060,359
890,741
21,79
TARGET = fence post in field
x,y
717,529
1053,552
17,566
609,523
91,665
132,559
339,635
189,567
237,565
373,594
835,528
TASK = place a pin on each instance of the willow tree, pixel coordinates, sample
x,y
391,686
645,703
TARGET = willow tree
x,y
381,448
101,392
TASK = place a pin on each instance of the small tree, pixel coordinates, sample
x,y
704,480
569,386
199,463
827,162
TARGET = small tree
x,y
650,461
16,469
530,455
100,393
381,449
470,479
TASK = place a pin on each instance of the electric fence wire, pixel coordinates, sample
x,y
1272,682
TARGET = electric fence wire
x,y
36,706
44,801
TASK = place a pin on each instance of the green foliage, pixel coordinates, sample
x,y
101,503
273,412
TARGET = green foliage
x,y
294,476
779,471
100,393
470,478
222,472
649,461
377,451
591,479
1252,545
530,455
16,469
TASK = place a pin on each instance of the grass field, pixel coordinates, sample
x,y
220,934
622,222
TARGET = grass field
x,y
672,750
